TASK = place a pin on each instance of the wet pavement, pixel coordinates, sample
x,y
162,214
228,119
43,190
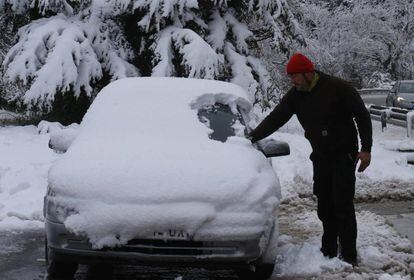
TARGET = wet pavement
x,y
404,224
398,213
22,253
22,258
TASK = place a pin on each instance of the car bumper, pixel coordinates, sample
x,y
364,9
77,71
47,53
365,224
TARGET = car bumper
x,y
66,246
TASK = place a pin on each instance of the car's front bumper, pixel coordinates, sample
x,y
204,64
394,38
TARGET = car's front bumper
x,y
69,247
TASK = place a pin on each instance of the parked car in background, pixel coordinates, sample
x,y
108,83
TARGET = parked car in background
x,y
160,172
402,95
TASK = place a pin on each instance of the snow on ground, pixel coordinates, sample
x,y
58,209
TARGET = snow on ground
x,y
25,161
383,253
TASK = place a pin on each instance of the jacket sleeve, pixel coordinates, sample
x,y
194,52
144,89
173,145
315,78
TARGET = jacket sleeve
x,y
362,117
277,118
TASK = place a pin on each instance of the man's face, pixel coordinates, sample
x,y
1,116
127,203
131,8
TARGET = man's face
x,y
301,81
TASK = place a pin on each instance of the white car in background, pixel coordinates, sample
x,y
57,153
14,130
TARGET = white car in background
x,y
160,172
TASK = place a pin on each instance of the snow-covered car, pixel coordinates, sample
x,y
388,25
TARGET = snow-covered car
x,y
401,95
160,171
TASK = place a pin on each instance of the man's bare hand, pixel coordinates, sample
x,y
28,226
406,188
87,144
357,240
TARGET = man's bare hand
x,y
365,159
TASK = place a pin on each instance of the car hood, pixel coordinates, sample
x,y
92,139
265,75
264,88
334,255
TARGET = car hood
x,y
218,173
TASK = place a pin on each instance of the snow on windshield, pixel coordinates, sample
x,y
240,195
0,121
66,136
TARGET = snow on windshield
x,y
143,162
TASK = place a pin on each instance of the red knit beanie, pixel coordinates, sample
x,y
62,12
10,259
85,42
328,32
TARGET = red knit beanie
x,y
299,63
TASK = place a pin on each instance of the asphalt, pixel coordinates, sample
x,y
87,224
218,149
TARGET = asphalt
x,y
399,213
22,258
377,99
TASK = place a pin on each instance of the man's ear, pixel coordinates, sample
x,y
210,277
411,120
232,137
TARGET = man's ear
x,y
308,77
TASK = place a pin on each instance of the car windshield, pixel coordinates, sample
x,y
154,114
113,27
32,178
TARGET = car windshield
x,y
222,121
406,88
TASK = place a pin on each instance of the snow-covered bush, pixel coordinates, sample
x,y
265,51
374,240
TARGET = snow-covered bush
x,y
76,47
380,80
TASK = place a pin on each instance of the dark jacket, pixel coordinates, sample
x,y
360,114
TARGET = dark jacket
x,y
327,114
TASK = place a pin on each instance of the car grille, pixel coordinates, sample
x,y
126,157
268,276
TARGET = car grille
x,y
188,248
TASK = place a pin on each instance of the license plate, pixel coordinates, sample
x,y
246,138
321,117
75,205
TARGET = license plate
x,y
172,234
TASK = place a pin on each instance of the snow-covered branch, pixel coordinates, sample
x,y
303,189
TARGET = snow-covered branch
x,y
199,58
55,54
43,6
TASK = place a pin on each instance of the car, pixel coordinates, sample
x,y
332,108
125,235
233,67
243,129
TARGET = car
x,y
160,171
402,95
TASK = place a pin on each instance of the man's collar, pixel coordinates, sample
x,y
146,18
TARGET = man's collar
x,y
314,81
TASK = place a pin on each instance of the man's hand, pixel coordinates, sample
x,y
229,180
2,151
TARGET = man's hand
x,y
365,159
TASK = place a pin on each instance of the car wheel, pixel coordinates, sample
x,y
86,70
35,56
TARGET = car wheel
x,y
261,272
58,269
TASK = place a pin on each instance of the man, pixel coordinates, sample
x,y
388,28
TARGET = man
x,y
326,108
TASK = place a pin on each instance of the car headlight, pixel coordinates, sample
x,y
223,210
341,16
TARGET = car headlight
x,y
54,211
400,99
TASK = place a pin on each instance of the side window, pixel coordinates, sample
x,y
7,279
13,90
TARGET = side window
x,y
222,121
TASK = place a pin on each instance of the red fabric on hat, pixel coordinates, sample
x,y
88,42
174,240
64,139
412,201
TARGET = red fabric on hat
x,y
299,63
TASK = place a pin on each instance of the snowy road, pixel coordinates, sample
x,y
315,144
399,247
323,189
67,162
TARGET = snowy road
x,y
377,99
399,213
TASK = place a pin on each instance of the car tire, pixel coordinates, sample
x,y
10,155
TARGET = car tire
x,y
58,269
261,272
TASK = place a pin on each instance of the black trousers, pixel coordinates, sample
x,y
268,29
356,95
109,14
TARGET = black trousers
x,y
334,186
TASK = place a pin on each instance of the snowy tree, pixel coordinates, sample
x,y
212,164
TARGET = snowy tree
x,y
363,37
9,22
73,48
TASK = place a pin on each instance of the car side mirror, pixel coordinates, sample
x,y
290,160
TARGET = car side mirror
x,y
61,140
273,148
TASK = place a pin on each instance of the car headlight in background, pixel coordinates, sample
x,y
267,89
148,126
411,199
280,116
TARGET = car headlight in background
x,y
400,99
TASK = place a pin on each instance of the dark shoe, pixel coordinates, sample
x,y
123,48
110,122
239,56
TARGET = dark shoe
x,y
351,261
328,254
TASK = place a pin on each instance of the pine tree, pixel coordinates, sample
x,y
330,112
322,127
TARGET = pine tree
x,y
73,48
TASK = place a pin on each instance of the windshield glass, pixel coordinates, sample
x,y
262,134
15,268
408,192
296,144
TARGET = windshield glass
x,y
222,121
407,88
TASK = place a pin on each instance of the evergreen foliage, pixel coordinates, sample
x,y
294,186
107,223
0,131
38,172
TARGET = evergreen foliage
x,y
76,47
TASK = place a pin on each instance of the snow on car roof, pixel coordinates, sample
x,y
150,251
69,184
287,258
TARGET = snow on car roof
x,y
143,161
166,97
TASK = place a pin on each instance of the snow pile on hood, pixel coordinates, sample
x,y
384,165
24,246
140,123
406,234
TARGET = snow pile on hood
x,y
143,162
45,127
61,140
